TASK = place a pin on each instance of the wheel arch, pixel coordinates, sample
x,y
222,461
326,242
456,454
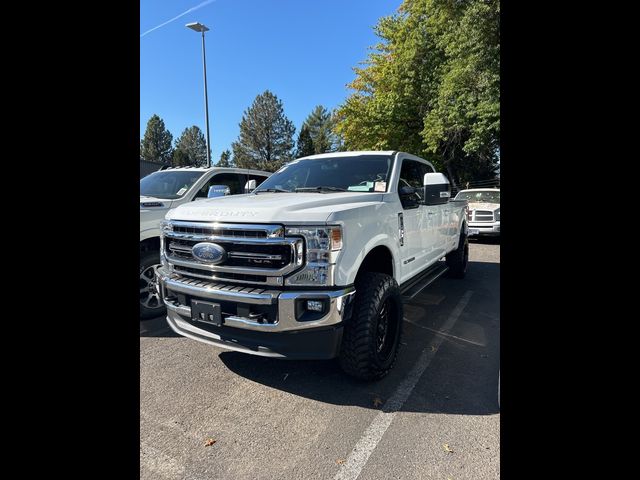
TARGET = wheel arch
x,y
379,259
150,244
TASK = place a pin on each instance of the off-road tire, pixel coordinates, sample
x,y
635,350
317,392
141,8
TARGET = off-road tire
x,y
458,259
366,352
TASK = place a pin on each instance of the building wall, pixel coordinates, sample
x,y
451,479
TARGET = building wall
x,y
147,167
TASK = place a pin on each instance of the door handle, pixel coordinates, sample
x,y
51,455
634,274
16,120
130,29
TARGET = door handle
x,y
430,213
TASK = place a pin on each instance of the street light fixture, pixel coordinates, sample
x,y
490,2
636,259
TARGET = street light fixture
x,y
199,27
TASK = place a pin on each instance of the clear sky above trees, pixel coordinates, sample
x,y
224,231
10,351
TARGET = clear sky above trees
x,y
253,45
427,83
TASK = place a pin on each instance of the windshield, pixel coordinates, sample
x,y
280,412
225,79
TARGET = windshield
x,y
364,173
168,184
480,197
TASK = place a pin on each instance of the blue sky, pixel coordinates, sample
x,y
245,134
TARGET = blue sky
x,y
301,50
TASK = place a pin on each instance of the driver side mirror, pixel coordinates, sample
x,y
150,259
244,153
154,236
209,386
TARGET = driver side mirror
x,y
408,197
218,191
437,189
250,186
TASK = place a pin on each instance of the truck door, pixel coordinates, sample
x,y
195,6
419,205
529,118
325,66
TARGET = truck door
x,y
420,222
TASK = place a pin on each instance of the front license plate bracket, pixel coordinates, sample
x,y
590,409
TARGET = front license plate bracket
x,y
206,312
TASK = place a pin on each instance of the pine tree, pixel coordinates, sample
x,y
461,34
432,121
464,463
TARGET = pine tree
x,y
225,159
305,143
191,148
320,123
155,146
266,135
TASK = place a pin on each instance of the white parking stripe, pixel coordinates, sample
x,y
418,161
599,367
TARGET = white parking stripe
x,y
357,459
443,333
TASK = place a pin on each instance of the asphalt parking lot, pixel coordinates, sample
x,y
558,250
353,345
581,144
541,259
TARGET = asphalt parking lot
x,y
206,413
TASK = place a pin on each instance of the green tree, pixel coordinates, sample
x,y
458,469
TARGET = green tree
x,y
464,123
431,87
225,159
266,135
155,146
320,124
305,143
180,159
191,148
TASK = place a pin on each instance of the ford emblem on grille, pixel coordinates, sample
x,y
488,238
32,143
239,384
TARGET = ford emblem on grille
x,y
208,252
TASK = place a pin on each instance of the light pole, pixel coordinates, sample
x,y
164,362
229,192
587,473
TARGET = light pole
x,y
199,27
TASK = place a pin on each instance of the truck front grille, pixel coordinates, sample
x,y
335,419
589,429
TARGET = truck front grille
x,y
480,216
254,253
248,255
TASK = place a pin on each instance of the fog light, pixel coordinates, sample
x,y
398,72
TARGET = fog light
x,y
315,305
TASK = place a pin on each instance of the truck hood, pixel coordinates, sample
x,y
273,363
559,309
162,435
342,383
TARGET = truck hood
x,y
273,207
483,206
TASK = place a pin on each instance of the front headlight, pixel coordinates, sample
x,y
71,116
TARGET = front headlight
x,y
323,247
496,214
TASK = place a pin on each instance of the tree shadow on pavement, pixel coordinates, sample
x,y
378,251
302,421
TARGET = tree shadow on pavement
x,y
461,378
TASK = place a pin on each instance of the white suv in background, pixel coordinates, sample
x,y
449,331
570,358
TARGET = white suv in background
x,y
484,210
166,189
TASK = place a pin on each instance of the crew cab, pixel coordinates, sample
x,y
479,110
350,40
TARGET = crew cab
x,y
483,214
166,189
315,263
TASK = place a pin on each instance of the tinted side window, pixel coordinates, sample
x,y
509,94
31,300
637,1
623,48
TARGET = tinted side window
x,y
411,175
258,178
234,181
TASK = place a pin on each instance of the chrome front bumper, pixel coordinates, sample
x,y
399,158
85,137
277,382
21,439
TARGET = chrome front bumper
x,y
484,228
262,334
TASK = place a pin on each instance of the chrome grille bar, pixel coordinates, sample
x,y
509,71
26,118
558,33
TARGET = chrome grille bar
x,y
258,256
219,268
217,238
236,229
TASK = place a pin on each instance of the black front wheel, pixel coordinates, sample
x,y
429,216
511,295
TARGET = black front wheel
x,y
151,304
372,335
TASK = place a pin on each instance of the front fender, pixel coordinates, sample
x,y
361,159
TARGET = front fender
x,y
381,240
365,229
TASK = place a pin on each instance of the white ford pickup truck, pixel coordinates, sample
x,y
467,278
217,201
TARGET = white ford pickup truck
x,y
315,262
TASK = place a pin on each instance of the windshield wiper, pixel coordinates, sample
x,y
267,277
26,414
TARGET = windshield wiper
x,y
272,190
320,189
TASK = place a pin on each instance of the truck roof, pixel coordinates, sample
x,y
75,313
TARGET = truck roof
x,y
222,169
350,154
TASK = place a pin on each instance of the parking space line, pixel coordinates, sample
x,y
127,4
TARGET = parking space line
x,y
357,459
444,333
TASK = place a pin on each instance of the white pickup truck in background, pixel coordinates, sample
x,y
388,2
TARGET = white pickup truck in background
x,y
315,262
166,189
483,215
